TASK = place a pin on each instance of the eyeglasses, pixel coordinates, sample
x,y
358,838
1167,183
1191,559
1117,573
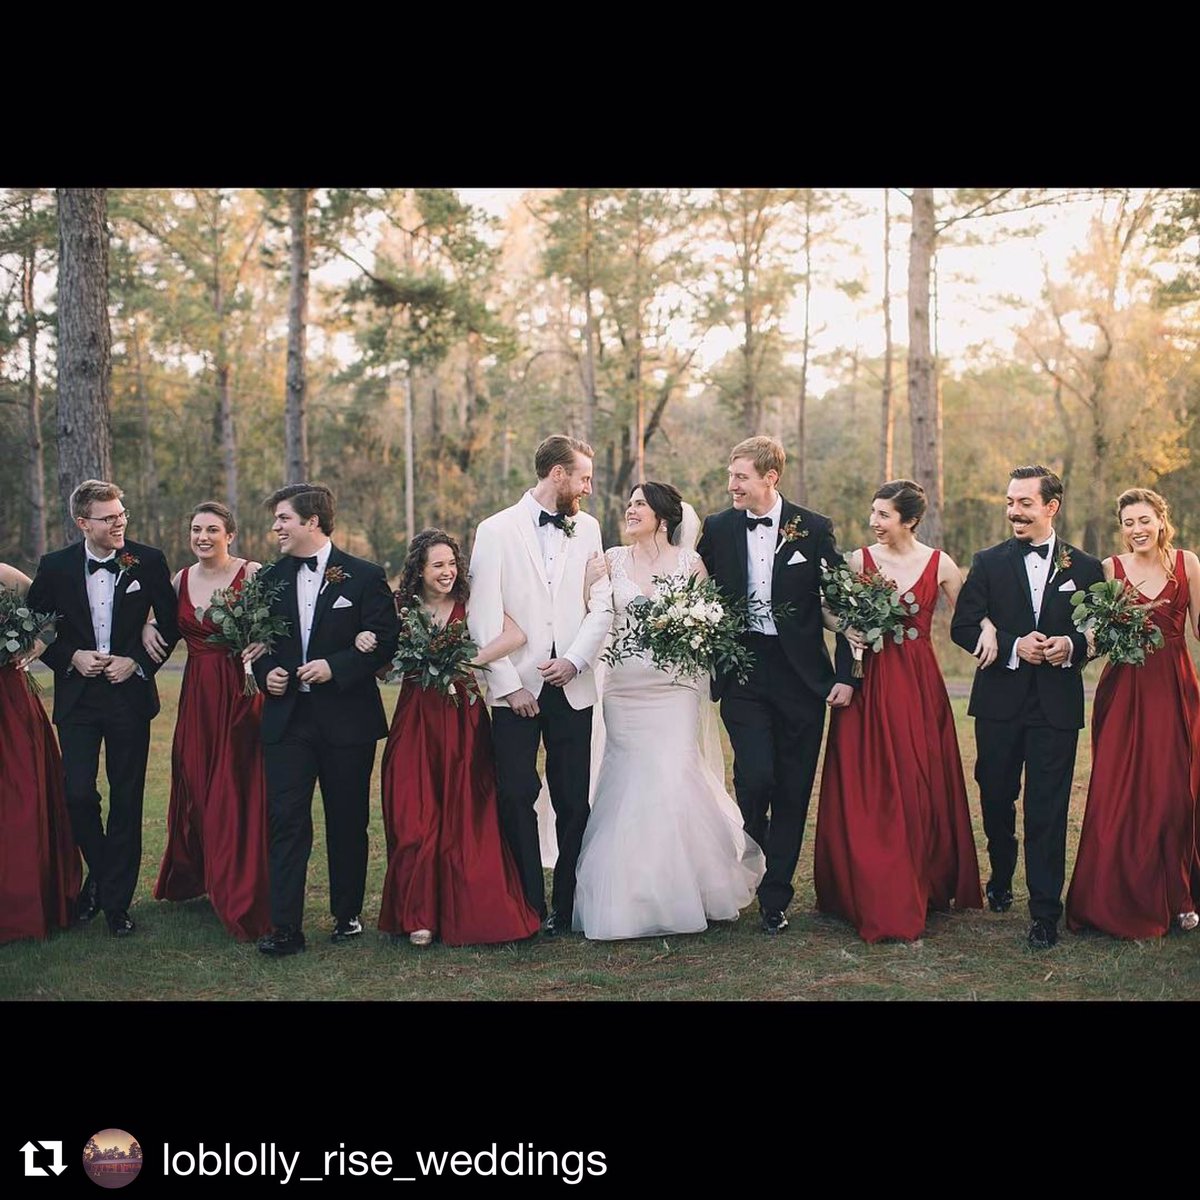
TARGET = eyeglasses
x,y
112,521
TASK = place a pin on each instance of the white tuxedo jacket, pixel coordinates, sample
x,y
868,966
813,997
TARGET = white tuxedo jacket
x,y
508,575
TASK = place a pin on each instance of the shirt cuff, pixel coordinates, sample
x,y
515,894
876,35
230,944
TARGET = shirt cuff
x,y
1012,663
580,664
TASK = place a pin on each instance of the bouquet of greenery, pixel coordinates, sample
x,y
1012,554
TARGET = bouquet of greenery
x,y
1118,620
435,656
689,628
243,617
869,603
20,628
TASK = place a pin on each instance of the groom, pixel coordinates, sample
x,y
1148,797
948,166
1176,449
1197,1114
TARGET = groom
x,y
322,714
530,561
103,589
1028,705
770,550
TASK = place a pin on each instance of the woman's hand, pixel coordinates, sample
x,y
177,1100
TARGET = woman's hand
x,y
597,569
855,638
153,642
366,642
253,652
987,647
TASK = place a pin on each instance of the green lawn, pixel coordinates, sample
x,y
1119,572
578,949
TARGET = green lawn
x,y
181,952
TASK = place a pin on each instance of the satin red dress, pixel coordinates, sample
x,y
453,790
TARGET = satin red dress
x,y
449,869
217,816
39,865
1137,852
893,827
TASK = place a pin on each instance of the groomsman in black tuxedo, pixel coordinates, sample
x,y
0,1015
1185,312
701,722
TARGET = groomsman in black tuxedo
x,y
1028,705
769,549
322,714
103,589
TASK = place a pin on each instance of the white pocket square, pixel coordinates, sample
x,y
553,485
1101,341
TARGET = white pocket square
x,y
1069,586
342,602
133,587
797,557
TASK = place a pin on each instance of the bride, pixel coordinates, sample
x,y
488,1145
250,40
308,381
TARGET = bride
x,y
664,850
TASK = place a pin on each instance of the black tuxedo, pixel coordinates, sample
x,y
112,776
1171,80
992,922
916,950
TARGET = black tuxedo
x,y
326,734
1028,718
776,719
91,712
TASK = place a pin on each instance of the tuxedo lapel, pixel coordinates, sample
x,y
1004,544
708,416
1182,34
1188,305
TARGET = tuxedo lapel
x,y
77,573
526,533
560,565
741,567
286,568
326,593
1016,555
782,554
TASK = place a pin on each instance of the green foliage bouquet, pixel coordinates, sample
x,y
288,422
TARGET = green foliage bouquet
x,y
243,617
20,629
1117,620
868,602
435,656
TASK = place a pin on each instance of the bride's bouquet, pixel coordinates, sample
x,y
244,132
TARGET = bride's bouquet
x,y
243,617
868,602
20,628
435,656
1117,620
689,628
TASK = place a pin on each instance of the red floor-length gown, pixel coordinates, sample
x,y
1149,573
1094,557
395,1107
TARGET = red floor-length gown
x,y
1134,869
893,828
217,817
449,869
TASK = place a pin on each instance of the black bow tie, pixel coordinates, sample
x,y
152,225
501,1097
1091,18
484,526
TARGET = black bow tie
x,y
1042,551
310,563
545,518
109,564
755,522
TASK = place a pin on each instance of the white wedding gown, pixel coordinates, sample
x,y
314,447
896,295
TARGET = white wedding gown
x,y
664,850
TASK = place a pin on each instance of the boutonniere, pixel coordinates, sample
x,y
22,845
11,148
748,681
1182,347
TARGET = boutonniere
x,y
568,527
1062,560
126,562
334,574
790,532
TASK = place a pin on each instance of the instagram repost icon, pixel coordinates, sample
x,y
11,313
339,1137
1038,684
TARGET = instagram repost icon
x,y
112,1158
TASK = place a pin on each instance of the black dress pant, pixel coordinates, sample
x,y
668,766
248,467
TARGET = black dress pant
x,y
106,714
294,765
775,725
567,733
1047,756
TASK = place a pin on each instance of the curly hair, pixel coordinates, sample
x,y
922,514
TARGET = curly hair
x,y
414,565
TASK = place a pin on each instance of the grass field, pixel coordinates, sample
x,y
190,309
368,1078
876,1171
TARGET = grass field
x,y
180,951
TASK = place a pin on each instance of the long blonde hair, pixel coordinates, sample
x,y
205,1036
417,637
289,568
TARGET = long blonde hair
x,y
1163,511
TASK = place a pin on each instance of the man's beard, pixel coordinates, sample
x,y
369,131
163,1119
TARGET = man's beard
x,y
567,506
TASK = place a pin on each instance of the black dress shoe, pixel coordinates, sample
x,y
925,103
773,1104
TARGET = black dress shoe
x,y
88,904
1000,899
556,924
287,939
773,920
1042,934
119,924
346,931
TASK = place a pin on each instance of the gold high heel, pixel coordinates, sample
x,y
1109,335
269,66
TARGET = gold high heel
x,y
1188,921
424,937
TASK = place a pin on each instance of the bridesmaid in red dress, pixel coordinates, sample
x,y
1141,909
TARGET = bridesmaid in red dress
x,y
449,873
1136,869
39,864
893,827
217,816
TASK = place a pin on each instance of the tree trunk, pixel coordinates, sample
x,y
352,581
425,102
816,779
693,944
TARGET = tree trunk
x,y
923,401
84,433
148,519
35,480
888,414
589,328
295,467
801,443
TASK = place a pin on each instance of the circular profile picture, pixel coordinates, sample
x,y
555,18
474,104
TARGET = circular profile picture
x,y
112,1158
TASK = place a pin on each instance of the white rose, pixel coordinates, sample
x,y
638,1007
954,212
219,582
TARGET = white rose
x,y
696,642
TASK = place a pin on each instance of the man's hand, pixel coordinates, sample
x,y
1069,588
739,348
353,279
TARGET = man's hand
x,y
277,681
523,702
1057,650
558,671
1032,647
317,671
90,663
840,695
119,668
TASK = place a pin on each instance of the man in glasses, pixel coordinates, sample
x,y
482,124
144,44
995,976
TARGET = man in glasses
x,y
103,589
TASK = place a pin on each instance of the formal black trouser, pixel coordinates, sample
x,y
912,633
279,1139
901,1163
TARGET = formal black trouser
x,y
568,737
294,765
775,725
1047,756
107,715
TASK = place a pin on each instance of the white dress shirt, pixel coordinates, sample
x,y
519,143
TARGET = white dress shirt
x,y
553,542
101,586
1039,570
308,588
761,544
